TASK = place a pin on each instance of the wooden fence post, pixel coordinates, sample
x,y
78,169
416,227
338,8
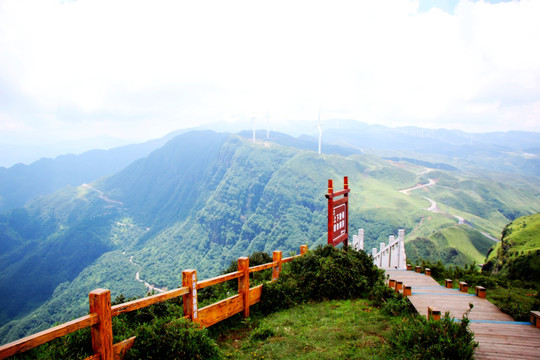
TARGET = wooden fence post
x,y
407,291
189,279
102,336
433,313
243,283
303,249
276,256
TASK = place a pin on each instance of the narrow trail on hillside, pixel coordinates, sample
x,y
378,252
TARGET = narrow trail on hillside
x,y
105,198
418,186
433,204
102,195
149,286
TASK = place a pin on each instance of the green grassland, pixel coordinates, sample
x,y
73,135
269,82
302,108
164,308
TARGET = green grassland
x,y
520,236
486,206
524,233
345,329
431,223
517,256
455,244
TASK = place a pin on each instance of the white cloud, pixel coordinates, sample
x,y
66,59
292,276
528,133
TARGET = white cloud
x,y
131,66
9,124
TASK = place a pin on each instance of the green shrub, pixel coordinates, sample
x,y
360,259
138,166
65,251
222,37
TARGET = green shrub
x,y
332,273
77,345
281,294
323,273
379,293
173,338
418,338
474,279
516,302
224,290
262,333
438,270
397,305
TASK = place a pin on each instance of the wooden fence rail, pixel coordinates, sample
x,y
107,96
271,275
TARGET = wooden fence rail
x,y
101,311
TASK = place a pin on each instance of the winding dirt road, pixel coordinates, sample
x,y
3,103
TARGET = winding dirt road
x,y
433,204
418,186
102,195
149,286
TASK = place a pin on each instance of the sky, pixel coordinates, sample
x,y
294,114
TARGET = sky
x,y
136,70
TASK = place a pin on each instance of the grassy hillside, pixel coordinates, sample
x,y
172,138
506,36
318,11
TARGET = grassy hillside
x,y
471,212
517,256
205,199
458,245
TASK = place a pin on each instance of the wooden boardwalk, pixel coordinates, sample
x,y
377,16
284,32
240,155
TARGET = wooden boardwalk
x,y
498,335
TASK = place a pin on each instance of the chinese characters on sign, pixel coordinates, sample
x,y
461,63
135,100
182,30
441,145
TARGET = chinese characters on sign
x,y
339,219
338,211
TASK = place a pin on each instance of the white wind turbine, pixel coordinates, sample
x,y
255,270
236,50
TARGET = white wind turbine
x,y
267,126
320,132
253,124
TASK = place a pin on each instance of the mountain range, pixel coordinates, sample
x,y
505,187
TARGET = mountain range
x,y
203,199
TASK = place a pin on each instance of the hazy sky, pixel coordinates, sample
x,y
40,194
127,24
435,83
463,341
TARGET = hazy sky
x,y
140,69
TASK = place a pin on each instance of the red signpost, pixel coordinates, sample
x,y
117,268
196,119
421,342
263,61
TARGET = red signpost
x,y
338,213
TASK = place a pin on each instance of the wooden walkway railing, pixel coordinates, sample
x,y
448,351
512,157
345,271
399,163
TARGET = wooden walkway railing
x,y
498,335
101,311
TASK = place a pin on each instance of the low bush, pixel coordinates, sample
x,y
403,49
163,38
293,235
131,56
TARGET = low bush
x,y
418,338
173,338
474,279
516,302
161,333
76,345
226,289
397,305
323,273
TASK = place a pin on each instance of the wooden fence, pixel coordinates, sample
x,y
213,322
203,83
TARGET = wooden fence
x,y
101,311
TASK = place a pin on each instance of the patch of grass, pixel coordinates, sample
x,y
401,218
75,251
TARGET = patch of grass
x,y
336,329
432,222
517,302
469,241
456,244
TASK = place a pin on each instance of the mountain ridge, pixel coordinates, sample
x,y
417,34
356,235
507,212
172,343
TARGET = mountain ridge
x,y
511,152
20,183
